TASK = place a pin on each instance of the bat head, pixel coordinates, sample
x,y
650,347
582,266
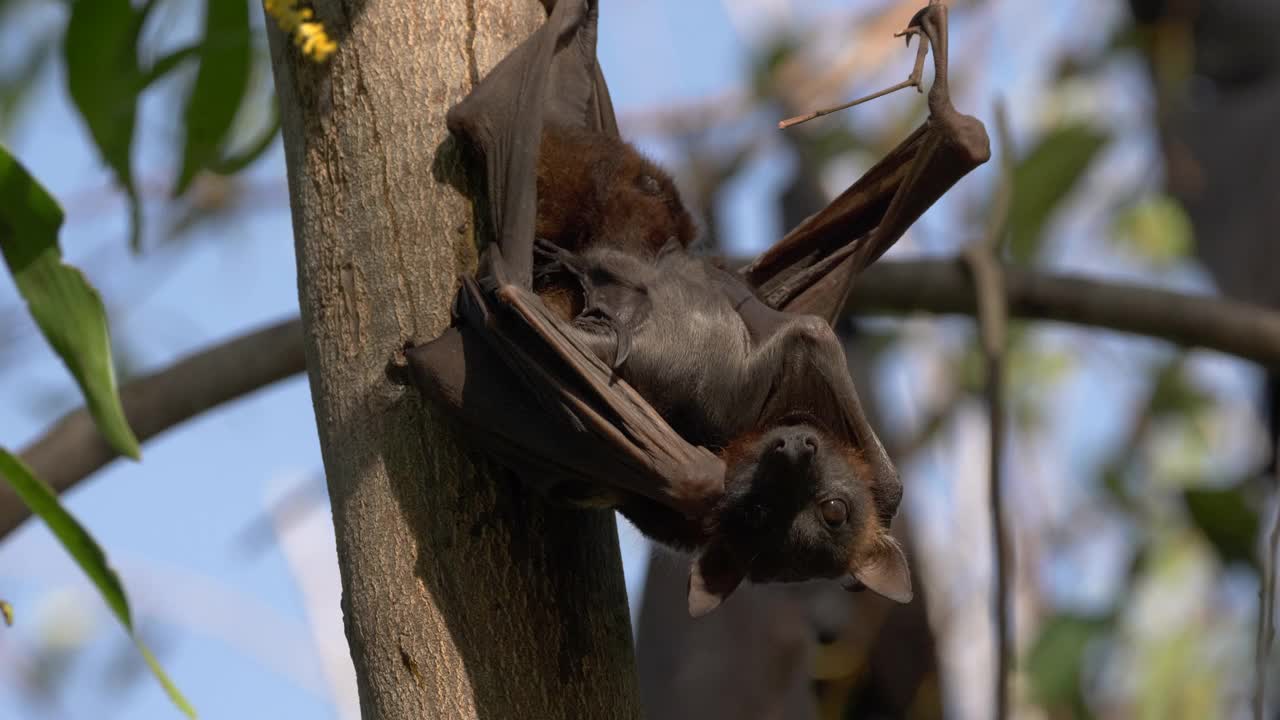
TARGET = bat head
x,y
797,506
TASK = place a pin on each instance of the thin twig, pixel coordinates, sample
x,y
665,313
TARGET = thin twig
x,y
913,80
981,258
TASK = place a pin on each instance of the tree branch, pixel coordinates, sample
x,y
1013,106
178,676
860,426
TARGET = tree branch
x,y
73,449
943,286
1266,636
983,262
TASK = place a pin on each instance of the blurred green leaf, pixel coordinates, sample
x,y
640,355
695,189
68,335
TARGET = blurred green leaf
x,y
104,80
1042,179
66,308
232,164
1157,230
1116,484
1056,657
220,86
87,553
169,62
1227,521
1173,395
766,62
7,611
19,76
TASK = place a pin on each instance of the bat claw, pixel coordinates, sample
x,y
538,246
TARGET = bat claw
x,y
908,33
917,26
623,349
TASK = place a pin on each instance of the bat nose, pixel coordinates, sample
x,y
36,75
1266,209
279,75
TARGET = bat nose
x,y
796,448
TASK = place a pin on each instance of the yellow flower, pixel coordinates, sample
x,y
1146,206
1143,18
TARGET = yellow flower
x,y
308,34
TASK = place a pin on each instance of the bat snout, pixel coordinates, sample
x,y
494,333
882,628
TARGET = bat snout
x,y
794,448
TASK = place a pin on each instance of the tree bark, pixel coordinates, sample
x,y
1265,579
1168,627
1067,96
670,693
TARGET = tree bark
x,y
463,595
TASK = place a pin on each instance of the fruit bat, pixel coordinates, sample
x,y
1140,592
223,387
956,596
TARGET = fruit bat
x,y
604,363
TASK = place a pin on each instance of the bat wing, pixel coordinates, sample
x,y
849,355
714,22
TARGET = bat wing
x,y
811,269
817,375
544,405
552,77
527,389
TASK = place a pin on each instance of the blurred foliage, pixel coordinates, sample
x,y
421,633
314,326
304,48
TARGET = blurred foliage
x,y
87,554
220,85
104,46
1042,179
1156,230
1159,481
1057,658
1228,521
6,610
19,78
104,79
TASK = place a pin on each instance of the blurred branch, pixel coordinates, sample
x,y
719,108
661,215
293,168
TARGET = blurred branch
x,y
73,449
1267,610
982,259
944,286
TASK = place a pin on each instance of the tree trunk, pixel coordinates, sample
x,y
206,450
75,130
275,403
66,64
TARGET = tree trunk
x,y
463,596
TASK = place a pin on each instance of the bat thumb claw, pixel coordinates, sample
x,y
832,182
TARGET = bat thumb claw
x,y
622,349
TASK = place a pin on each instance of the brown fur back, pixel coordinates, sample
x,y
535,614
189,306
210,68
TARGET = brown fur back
x,y
596,189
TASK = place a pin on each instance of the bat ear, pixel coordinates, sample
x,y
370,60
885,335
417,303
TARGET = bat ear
x,y
884,571
713,574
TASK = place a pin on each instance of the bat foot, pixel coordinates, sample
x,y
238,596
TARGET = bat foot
x,y
397,369
932,33
908,33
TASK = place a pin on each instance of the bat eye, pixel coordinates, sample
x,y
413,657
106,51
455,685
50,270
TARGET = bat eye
x,y
648,185
834,513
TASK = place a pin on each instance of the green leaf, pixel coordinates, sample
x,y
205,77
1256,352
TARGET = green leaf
x,y
220,86
43,503
66,308
1054,661
1227,521
104,81
7,611
1042,179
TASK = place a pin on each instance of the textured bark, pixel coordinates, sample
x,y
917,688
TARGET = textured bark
x,y
463,596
